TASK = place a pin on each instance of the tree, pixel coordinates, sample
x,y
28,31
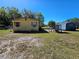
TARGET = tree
x,y
14,13
9,14
3,17
40,17
74,20
29,14
51,24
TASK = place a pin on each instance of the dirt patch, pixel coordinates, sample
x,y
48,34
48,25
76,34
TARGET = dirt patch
x,y
19,48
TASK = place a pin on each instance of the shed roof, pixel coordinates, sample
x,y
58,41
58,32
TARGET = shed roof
x,y
23,19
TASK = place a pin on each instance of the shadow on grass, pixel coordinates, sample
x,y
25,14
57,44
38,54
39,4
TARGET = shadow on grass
x,y
32,32
76,31
64,32
3,28
68,32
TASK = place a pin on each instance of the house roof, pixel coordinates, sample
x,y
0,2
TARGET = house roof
x,y
23,19
61,23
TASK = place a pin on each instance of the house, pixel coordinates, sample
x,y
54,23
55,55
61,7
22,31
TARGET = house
x,y
23,25
68,26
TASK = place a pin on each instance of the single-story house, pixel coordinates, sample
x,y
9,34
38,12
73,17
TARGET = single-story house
x,y
69,26
25,25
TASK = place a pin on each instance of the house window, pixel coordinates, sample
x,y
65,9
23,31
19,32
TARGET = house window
x,y
34,24
17,24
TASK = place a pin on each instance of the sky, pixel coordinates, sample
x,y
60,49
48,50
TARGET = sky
x,y
56,10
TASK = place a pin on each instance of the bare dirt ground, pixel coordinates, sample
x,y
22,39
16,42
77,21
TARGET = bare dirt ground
x,y
12,47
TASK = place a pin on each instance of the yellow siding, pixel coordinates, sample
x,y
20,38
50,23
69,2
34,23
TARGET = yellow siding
x,y
25,25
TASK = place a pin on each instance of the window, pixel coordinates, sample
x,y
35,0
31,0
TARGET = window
x,y
34,24
17,24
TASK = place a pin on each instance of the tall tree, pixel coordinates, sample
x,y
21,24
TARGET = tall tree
x,y
14,13
40,17
27,14
9,14
3,17
74,20
30,14
51,24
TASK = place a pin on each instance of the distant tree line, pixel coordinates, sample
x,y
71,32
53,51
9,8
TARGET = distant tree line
x,y
8,14
51,24
74,20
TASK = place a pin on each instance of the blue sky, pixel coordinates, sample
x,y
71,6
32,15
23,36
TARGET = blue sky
x,y
57,10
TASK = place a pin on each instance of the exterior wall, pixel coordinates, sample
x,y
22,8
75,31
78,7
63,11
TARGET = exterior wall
x,y
26,25
63,25
70,26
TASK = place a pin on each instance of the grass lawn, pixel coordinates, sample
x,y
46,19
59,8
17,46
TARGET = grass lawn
x,y
56,45
4,32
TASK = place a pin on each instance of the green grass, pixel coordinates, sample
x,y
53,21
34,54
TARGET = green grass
x,y
56,45
4,32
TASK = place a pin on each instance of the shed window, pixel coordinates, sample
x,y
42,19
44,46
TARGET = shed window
x,y
34,24
17,24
